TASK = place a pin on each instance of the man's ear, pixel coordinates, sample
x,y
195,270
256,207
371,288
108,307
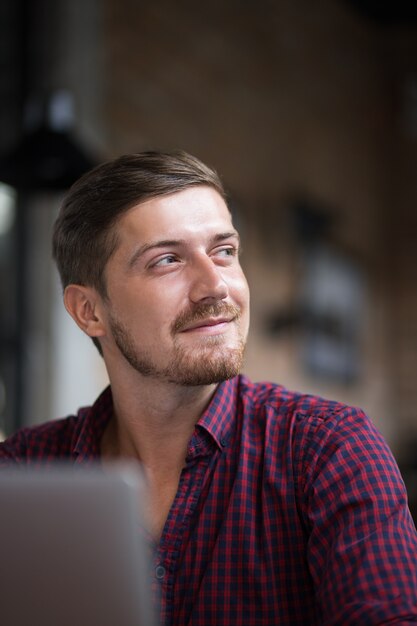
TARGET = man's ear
x,y
83,304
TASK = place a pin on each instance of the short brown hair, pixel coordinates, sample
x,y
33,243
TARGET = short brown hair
x,y
83,238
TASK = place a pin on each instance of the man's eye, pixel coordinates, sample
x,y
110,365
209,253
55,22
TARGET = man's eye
x,y
226,252
166,260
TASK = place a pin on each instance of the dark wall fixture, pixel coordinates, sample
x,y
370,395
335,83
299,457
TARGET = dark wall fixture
x,y
327,311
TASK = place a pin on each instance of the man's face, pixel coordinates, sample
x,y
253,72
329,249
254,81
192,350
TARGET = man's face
x,y
178,301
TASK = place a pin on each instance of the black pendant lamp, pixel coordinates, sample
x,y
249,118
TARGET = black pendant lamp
x,y
47,156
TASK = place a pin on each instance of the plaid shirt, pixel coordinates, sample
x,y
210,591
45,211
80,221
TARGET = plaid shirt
x,y
290,511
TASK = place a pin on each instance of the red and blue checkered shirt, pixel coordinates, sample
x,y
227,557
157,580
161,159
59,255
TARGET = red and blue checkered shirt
x,y
290,511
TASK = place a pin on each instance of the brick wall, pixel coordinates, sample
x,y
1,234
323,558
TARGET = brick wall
x,y
286,98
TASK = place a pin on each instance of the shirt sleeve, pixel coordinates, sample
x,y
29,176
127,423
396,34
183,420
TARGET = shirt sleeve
x,y
13,450
362,546
49,441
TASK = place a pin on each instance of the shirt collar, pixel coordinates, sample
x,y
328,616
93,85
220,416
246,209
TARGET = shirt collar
x,y
219,417
94,420
217,420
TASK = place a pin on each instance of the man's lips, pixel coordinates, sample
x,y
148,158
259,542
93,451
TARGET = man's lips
x,y
206,323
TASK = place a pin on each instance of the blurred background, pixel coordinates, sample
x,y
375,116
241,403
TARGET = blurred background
x,y
308,111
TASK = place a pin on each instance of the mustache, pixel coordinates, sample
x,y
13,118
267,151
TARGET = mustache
x,y
202,311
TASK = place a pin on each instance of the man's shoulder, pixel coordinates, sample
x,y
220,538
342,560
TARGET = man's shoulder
x,y
305,418
51,439
313,427
284,401
74,436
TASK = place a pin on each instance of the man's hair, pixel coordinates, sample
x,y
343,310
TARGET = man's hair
x,y
84,237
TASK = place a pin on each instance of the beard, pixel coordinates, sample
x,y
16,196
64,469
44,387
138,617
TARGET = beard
x,y
205,364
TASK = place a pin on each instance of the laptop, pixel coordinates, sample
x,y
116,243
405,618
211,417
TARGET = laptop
x,y
71,550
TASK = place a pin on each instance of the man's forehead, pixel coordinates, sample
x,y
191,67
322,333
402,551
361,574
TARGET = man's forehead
x,y
190,207
198,212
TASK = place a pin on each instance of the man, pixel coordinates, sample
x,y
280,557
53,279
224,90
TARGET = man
x,y
266,506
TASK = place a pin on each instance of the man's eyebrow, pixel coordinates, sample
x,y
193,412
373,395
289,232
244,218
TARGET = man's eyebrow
x,y
167,243
162,243
227,235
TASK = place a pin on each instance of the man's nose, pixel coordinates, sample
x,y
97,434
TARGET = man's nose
x,y
207,281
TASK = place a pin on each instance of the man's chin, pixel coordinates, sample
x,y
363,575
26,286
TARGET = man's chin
x,y
199,379
207,369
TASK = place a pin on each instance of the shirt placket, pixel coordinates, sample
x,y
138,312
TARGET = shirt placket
x,y
168,554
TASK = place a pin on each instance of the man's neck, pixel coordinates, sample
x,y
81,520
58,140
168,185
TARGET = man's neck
x,y
153,420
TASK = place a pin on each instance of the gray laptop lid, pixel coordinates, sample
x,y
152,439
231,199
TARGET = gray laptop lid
x,y
71,552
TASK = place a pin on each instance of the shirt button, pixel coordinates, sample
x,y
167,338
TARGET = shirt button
x,y
160,572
